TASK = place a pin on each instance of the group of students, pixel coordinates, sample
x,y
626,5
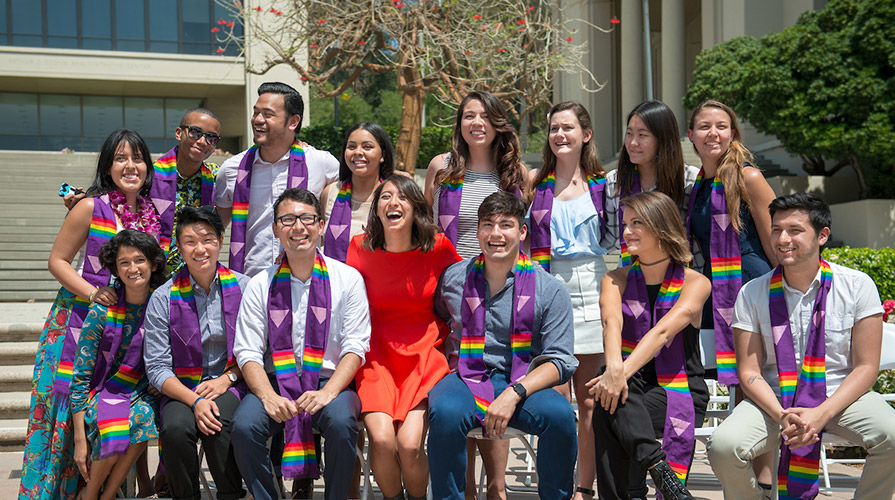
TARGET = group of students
x,y
354,295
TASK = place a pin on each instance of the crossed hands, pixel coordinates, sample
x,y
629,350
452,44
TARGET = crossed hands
x,y
282,409
801,426
609,389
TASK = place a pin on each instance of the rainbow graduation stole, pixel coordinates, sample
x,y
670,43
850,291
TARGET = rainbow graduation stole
x,y
186,332
472,368
114,389
449,207
797,472
678,436
727,276
297,177
625,259
102,227
299,455
542,207
164,193
338,227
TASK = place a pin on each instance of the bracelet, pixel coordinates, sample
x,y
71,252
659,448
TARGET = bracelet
x,y
92,294
200,398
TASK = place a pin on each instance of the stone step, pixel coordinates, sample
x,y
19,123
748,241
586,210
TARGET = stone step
x,y
31,222
17,353
25,275
21,332
47,293
29,231
16,378
12,433
15,404
23,245
36,264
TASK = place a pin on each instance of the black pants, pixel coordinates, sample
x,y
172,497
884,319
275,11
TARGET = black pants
x,y
626,441
179,436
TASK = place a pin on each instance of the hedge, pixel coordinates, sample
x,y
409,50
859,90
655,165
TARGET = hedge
x,y
433,140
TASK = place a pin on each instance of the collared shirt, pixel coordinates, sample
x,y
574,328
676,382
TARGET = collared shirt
x,y
268,183
552,336
189,194
613,197
853,296
157,335
349,326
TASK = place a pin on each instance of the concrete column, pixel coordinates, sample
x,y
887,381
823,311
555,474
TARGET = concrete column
x,y
674,62
632,60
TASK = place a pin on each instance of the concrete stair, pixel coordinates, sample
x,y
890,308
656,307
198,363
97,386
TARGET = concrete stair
x,y
19,335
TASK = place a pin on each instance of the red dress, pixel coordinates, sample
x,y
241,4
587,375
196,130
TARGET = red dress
x,y
403,362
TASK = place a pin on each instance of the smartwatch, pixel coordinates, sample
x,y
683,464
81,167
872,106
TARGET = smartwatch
x,y
232,377
520,390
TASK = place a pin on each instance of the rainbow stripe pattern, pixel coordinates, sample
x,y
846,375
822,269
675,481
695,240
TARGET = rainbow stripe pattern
x,y
296,150
240,211
542,257
227,278
101,227
312,359
299,454
676,382
284,362
625,258
481,406
166,167
189,376
115,317
64,373
344,193
521,344
776,287
726,268
114,429
801,470
207,178
669,292
125,379
680,470
319,272
813,370
452,184
726,361
627,347
788,381
472,347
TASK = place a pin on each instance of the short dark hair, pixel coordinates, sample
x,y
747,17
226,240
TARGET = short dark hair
x,y
818,211
387,167
108,253
194,215
102,179
295,105
422,231
502,203
298,195
201,111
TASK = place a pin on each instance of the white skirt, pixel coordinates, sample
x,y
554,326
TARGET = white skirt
x,y
582,276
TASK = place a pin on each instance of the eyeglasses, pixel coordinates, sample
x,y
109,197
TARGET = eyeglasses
x,y
195,133
288,220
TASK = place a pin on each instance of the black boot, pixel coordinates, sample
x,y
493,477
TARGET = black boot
x,y
667,483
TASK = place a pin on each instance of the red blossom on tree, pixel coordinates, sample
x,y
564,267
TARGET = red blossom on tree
x,y
569,39
231,24
477,16
313,46
222,22
520,21
501,49
614,20
259,9
220,50
321,21
215,29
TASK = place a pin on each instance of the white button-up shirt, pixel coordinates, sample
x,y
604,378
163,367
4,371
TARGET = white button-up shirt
x,y
349,324
853,296
268,183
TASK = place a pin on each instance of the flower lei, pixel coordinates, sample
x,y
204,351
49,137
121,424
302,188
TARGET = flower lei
x,y
145,219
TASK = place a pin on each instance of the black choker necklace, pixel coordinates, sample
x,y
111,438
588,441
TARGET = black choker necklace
x,y
654,263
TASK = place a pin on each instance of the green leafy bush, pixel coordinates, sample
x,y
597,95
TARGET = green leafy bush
x,y
433,141
878,263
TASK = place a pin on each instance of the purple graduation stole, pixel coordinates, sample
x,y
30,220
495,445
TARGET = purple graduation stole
x,y
797,472
102,227
113,390
542,207
299,455
625,259
449,206
727,277
297,177
678,436
164,193
186,350
338,227
472,367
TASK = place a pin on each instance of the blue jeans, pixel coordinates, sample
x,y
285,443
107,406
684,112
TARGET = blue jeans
x,y
545,413
337,422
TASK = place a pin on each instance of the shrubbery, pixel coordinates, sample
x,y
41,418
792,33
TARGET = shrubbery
x,y
434,140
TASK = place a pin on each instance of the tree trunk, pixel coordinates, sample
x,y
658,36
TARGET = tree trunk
x,y
408,146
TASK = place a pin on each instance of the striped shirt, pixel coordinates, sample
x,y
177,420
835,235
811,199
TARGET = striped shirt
x,y
476,187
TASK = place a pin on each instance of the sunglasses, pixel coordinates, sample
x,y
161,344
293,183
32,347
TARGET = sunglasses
x,y
196,133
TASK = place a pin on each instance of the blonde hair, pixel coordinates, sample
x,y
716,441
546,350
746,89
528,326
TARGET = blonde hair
x,y
661,216
731,164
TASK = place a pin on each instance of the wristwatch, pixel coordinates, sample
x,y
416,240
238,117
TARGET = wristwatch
x,y
232,377
520,390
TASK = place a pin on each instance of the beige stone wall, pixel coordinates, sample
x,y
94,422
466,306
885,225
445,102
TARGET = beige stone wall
x,y
865,223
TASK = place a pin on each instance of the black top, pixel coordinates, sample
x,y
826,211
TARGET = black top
x,y
691,347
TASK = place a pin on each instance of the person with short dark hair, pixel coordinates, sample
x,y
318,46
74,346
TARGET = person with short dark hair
x,y
511,338
113,413
652,386
400,256
302,333
249,183
190,327
808,337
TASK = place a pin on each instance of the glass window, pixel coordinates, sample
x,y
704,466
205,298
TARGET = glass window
x,y
62,42
196,21
18,142
130,25
163,20
145,115
19,112
156,145
60,115
27,17
62,18
102,115
94,143
174,110
164,47
96,20
3,22
58,143
196,48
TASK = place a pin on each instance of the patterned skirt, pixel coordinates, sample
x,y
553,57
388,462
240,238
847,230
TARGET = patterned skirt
x,y
48,469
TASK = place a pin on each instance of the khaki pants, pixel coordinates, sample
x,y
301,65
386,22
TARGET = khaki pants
x,y
748,432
